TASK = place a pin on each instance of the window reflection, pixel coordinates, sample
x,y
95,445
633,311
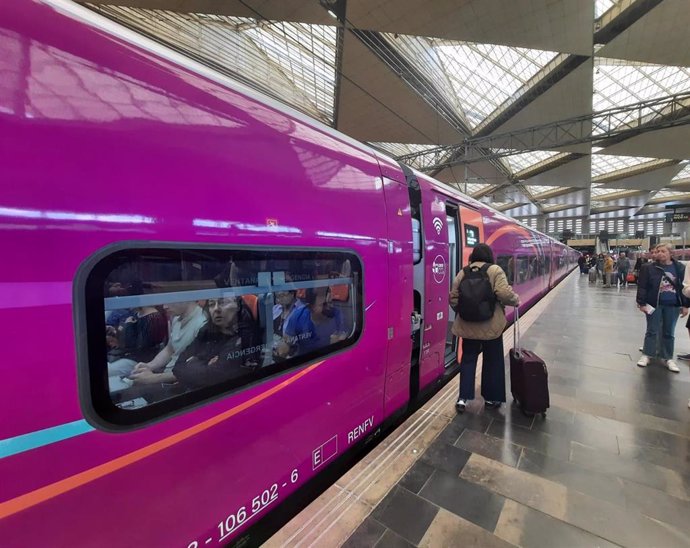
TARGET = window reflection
x,y
180,322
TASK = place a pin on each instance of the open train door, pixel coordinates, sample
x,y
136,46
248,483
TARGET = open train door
x,y
465,231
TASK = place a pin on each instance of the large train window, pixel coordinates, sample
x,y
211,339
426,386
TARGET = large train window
x,y
168,327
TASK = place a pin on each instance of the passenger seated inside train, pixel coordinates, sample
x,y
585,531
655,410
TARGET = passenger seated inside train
x,y
327,318
294,332
138,338
216,354
186,319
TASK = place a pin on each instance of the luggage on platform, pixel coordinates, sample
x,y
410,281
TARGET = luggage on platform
x,y
631,278
592,275
529,379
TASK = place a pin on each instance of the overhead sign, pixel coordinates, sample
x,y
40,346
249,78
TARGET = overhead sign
x,y
678,217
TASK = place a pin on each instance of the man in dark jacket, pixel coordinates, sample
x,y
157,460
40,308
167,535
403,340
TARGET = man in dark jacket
x,y
660,297
623,266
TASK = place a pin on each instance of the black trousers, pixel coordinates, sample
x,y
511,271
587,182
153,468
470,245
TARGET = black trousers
x,y
493,369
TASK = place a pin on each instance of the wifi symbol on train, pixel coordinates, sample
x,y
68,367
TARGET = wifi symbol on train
x,y
438,225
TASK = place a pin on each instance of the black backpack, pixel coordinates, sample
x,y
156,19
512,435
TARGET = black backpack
x,y
477,300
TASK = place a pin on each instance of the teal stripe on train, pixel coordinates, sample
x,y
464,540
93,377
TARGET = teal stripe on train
x,y
40,438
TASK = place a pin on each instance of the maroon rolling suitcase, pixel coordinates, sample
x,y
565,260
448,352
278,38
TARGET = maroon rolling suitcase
x,y
529,379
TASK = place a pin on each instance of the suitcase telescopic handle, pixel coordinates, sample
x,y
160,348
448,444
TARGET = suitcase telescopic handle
x,y
516,331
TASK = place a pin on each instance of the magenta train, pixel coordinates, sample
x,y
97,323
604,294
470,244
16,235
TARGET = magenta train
x,y
228,296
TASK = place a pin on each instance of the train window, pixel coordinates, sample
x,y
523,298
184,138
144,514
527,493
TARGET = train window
x,y
506,262
471,235
167,328
522,268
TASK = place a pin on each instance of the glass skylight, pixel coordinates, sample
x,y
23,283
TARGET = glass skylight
x,y
520,162
400,149
475,78
671,194
602,6
535,191
683,174
605,192
474,188
618,83
293,61
605,164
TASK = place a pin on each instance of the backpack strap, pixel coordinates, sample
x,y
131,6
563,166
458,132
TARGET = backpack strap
x,y
485,269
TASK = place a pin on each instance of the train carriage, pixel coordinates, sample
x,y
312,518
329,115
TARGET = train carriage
x,y
137,185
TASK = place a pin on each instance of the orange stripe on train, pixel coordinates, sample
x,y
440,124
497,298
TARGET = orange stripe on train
x,y
42,494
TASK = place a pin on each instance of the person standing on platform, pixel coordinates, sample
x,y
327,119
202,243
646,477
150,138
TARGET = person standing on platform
x,y
592,261
581,261
623,265
644,262
660,296
484,336
608,270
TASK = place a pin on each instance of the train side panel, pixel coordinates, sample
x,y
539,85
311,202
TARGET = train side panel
x,y
172,158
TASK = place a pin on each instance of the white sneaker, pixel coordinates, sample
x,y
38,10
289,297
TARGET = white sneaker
x,y
671,365
641,348
460,405
643,361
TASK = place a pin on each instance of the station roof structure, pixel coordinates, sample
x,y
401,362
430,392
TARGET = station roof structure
x,y
557,109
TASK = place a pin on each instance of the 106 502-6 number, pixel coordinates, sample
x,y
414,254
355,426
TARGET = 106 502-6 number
x,y
233,521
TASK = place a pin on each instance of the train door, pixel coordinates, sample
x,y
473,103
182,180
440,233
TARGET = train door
x,y
400,289
454,254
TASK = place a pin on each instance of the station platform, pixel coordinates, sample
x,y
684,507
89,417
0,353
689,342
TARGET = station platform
x,y
608,466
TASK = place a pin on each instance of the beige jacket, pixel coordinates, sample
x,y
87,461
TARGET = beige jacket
x,y
493,328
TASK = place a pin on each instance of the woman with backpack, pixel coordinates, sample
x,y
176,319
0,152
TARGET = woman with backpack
x,y
479,294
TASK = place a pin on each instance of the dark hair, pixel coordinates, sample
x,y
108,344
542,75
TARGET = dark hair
x,y
483,253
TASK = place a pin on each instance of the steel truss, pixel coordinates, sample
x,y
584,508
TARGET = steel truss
x,y
600,129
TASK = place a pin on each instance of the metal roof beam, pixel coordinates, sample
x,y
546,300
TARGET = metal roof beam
x,y
598,128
